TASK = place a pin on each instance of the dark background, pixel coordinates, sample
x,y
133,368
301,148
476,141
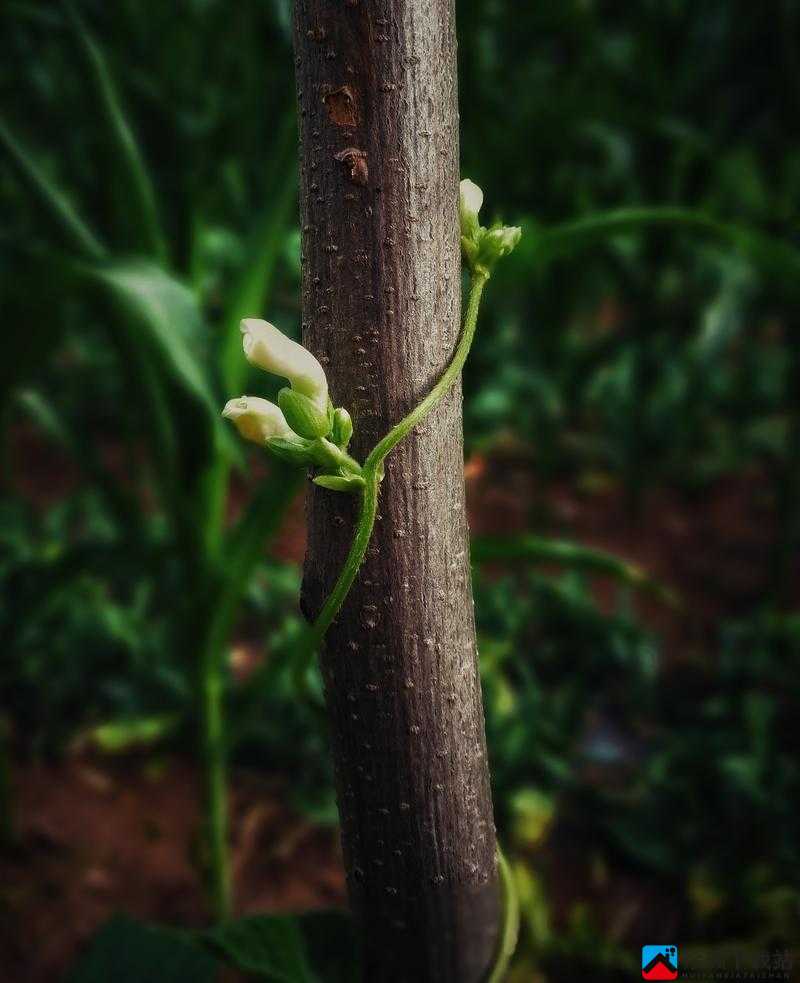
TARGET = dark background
x,y
632,415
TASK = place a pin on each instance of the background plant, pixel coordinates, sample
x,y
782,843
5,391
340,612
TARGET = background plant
x,y
626,360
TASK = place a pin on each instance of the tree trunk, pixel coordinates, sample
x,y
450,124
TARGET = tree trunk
x,y
376,86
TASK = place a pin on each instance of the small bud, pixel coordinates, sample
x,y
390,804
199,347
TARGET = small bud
x,y
256,419
292,449
334,482
342,429
303,415
482,247
498,242
269,349
470,200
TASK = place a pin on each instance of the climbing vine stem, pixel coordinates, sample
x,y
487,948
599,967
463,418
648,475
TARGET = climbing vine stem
x,y
305,428
372,473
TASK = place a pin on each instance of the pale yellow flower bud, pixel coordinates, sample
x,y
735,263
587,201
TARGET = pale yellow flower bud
x,y
256,419
269,349
469,204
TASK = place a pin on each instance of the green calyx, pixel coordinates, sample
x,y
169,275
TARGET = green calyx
x,y
293,450
350,484
482,248
303,415
309,445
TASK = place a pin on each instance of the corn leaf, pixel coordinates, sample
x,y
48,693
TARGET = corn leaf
x,y
139,194
168,318
771,256
54,203
537,550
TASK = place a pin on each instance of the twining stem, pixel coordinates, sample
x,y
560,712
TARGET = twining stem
x,y
509,926
372,472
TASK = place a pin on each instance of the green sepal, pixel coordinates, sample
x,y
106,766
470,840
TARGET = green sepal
x,y
295,450
342,428
303,415
351,485
497,242
483,249
332,459
469,248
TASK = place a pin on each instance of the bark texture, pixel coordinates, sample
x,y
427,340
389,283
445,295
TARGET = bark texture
x,y
376,86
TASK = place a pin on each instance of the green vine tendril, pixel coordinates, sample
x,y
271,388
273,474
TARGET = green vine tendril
x,y
372,473
305,429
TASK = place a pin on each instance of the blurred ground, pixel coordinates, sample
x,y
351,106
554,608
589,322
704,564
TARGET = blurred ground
x,y
100,834
713,549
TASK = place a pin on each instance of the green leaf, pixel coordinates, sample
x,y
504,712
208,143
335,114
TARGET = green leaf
x,y
311,948
126,951
121,735
536,549
139,196
774,257
168,315
52,199
160,335
271,947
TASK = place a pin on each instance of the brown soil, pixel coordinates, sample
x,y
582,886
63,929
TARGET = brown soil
x,y
715,551
100,835
95,836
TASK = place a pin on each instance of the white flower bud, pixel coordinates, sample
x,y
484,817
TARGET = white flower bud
x,y
270,349
256,419
469,204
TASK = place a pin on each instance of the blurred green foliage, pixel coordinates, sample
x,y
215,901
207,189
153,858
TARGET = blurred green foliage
x,y
147,180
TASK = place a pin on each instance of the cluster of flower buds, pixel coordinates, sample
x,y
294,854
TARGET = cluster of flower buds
x,y
303,428
482,247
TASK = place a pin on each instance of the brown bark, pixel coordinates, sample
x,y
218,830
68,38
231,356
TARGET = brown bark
x,y
381,308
